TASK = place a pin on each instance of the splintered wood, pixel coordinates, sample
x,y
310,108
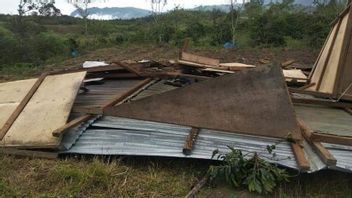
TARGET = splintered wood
x,y
46,111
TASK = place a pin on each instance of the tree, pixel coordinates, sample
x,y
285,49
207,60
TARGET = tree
x,y
35,7
157,8
49,9
22,28
82,8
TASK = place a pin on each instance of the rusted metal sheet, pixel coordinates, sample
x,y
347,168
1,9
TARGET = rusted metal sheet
x,y
252,102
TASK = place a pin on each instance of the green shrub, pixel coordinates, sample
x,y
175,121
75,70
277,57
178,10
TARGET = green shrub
x,y
8,45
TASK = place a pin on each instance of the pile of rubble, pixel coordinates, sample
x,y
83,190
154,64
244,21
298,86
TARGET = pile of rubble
x,y
188,108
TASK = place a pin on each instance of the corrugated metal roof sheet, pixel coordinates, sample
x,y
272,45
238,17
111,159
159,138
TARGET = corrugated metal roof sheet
x,y
121,136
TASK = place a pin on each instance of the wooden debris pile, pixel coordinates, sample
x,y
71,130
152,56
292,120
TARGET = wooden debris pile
x,y
206,94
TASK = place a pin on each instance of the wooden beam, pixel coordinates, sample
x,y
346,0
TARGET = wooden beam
x,y
345,11
323,153
320,55
307,86
313,93
343,56
112,67
130,68
60,131
28,153
21,106
301,160
199,59
342,105
191,139
96,110
120,98
326,61
333,139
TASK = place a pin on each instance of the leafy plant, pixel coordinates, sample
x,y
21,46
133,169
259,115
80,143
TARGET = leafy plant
x,y
248,171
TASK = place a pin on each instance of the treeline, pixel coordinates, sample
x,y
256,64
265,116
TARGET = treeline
x,y
36,40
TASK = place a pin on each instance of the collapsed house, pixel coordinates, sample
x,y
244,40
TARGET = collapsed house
x,y
186,108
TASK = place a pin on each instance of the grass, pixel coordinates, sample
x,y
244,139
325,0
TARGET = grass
x,y
142,177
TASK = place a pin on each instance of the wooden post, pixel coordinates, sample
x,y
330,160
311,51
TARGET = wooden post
x,y
191,139
301,160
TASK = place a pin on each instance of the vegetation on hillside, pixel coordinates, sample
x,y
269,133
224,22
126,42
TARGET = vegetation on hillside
x,y
37,40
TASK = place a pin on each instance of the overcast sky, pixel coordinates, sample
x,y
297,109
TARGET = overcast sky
x,y
10,6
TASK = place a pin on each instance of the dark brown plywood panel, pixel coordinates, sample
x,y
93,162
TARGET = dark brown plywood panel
x,y
254,102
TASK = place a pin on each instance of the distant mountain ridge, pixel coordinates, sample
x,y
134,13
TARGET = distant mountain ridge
x,y
114,13
131,12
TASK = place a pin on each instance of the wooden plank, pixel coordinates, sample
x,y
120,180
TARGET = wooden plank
x,y
120,98
301,160
95,110
333,139
320,54
330,61
21,106
307,91
130,68
329,77
28,153
294,74
235,66
47,110
345,11
218,70
191,139
255,98
112,67
340,75
317,71
224,67
307,86
321,102
323,153
199,59
60,131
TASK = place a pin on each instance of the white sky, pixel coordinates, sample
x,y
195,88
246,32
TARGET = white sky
x,y
10,6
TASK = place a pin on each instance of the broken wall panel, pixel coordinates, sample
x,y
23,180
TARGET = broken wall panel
x,y
47,110
252,102
11,94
